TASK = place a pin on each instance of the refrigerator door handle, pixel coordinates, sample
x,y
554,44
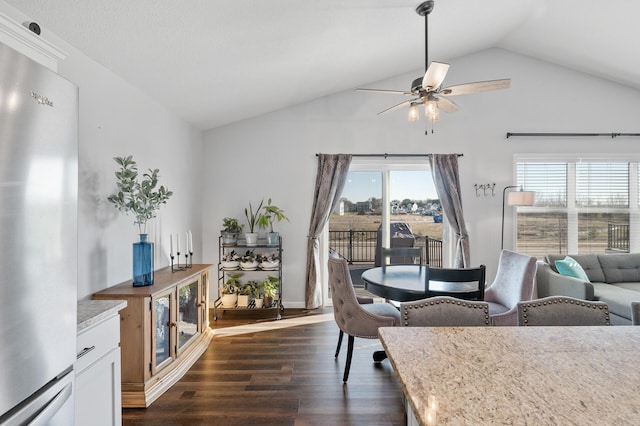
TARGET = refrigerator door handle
x,y
52,408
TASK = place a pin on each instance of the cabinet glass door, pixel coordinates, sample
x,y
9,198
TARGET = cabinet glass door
x,y
162,328
188,304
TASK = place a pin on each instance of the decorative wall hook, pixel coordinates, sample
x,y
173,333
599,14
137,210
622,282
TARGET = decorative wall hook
x,y
486,188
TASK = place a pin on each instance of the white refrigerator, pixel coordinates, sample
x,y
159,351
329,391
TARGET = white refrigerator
x,y
38,242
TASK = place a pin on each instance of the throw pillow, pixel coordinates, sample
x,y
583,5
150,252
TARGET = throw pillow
x,y
569,267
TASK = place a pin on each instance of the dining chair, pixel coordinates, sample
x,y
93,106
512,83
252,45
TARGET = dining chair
x,y
461,275
401,256
352,318
562,310
514,282
444,311
635,313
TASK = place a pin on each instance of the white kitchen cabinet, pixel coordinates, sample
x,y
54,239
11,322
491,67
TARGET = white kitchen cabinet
x,y
98,390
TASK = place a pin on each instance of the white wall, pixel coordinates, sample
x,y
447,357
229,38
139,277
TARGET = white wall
x,y
274,155
116,119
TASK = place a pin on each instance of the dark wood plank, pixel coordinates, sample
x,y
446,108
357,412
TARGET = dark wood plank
x,y
280,377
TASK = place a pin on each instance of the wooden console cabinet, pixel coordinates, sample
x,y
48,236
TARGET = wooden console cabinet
x,y
164,330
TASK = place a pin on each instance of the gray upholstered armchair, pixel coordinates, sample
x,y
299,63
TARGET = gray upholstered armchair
x,y
514,283
444,311
562,310
352,318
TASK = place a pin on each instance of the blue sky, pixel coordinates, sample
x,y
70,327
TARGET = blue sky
x,y
415,185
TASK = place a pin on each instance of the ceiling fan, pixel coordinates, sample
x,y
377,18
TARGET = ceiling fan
x,y
428,90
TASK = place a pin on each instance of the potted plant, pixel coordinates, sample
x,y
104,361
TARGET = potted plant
x,y
244,292
268,261
230,261
231,231
248,262
257,294
272,213
253,219
141,197
229,290
270,286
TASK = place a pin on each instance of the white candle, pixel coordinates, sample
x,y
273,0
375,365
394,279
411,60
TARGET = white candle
x,y
171,245
190,242
178,243
186,242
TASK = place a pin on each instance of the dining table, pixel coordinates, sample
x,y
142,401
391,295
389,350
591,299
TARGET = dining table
x,y
517,375
405,283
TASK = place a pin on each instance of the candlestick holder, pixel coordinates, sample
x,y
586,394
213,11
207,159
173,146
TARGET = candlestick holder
x,y
190,260
176,268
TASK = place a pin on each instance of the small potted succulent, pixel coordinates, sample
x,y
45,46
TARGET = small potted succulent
x,y
230,261
257,294
268,261
232,229
244,292
229,290
270,286
272,213
248,262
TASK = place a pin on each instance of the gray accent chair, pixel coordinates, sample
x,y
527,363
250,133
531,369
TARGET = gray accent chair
x,y
444,311
354,319
562,310
401,256
514,283
635,313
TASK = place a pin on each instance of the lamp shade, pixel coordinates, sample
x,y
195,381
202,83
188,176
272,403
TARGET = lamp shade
x,y
521,198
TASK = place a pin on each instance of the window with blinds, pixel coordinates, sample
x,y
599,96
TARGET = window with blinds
x,y
597,223
602,185
548,180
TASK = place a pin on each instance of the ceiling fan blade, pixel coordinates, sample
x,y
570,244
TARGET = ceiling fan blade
x,y
434,76
479,86
447,105
390,92
400,105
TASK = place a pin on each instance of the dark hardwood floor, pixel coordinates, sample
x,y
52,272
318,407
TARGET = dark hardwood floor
x,y
279,377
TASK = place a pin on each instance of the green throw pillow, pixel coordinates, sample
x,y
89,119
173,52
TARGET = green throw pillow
x,y
569,267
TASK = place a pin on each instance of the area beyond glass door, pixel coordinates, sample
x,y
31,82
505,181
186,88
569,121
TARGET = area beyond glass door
x,y
188,312
162,321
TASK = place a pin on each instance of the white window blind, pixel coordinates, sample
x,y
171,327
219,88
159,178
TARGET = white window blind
x,y
602,185
548,180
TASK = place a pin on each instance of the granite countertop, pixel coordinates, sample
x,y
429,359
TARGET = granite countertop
x,y
93,311
518,375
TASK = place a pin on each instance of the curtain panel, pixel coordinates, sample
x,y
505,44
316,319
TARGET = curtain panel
x,y
444,168
330,179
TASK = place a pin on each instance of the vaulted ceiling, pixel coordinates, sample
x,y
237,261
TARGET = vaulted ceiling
x,y
214,62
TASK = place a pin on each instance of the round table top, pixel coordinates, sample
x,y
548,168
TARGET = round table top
x,y
404,283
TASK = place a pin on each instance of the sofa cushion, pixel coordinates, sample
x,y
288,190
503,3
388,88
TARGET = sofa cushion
x,y
620,268
589,263
617,298
569,267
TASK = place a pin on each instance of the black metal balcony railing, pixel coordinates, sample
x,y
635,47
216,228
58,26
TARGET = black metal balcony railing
x,y
618,237
360,246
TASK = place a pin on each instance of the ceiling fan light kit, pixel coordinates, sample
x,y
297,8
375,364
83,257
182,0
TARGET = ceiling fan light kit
x,y
428,90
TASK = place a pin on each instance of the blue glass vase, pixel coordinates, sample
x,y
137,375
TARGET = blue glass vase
x,y
142,262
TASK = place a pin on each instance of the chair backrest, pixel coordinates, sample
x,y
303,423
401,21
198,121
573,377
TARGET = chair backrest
x,y
514,280
444,311
562,310
401,256
635,313
348,313
462,275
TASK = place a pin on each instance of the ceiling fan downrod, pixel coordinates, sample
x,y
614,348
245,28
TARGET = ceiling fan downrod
x,y
424,9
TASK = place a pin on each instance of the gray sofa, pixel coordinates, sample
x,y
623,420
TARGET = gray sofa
x,y
614,279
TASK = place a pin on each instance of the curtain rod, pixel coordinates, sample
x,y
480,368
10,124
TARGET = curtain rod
x,y
612,135
385,155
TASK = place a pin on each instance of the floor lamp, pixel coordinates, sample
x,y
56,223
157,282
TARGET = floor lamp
x,y
514,199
